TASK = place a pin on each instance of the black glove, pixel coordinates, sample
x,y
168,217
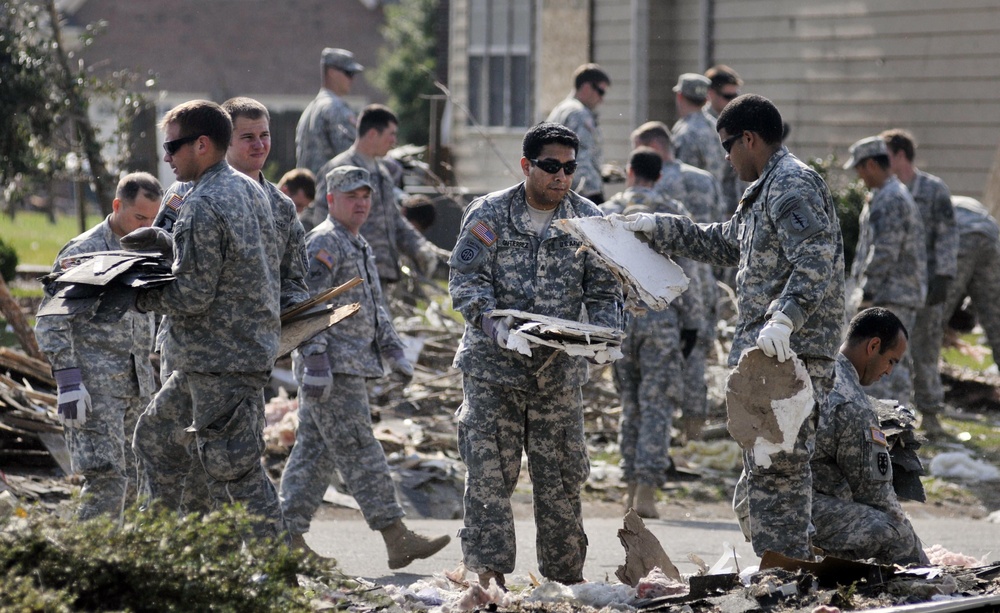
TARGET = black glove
x,y
937,289
150,239
689,338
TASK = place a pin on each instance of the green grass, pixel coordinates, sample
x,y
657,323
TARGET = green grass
x,y
37,241
956,358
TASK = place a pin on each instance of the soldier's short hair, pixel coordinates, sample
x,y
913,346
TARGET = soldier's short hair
x,y
135,183
876,322
646,163
653,132
241,106
590,73
201,117
299,179
752,113
546,133
721,75
900,140
375,117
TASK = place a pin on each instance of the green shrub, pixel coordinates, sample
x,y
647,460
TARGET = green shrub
x,y
8,261
155,561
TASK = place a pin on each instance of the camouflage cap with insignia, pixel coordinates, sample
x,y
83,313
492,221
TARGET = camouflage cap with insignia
x,y
693,85
864,149
347,179
341,59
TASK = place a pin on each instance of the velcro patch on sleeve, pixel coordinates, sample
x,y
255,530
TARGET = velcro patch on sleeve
x,y
799,220
325,258
174,201
879,437
466,254
484,233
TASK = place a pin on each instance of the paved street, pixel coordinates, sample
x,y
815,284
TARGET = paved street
x,y
361,552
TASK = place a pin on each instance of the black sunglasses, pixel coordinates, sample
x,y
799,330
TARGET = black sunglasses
x,y
552,166
728,96
728,143
600,90
172,146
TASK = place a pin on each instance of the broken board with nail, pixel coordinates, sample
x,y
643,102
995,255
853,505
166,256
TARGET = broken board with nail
x,y
573,337
655,278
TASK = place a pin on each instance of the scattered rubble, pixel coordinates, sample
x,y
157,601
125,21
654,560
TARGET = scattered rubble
x,y
415,426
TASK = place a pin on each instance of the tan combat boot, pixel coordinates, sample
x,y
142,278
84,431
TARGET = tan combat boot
x,y
298,541
629,498
485,576
645,501
405,546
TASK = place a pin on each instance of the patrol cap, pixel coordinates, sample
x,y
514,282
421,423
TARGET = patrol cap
x,y
864,149
693,85
341,59
347,179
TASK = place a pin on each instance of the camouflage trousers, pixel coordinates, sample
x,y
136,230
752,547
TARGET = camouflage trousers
x,y
979,278
773,504
495,423
336,434
101,453
695,403
898,385
651,383
855,531
925,352
222,414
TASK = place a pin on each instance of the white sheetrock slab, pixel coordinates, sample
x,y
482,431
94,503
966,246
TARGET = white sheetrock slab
x,y
762,395
655,277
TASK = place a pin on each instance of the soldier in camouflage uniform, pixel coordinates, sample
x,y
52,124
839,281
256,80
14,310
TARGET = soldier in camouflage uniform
x,y
855,509
694,135
388,233
248,151
105,362
978,267
335,427
890,266
785,238
327,125
650,377
220,339
933,200
577,112
702,197
511,254
724,85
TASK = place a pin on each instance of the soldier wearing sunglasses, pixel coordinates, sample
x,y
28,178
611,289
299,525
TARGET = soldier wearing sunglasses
x,y
785,242
512,254
724,86
577,112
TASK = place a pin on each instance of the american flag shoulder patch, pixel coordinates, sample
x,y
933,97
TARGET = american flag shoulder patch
x,y
325,258
484,234
879,437
174,201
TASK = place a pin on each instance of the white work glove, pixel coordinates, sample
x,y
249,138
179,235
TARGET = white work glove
x,y
606,356
498,329
73,398
399,364
775,337
317,379
644,223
